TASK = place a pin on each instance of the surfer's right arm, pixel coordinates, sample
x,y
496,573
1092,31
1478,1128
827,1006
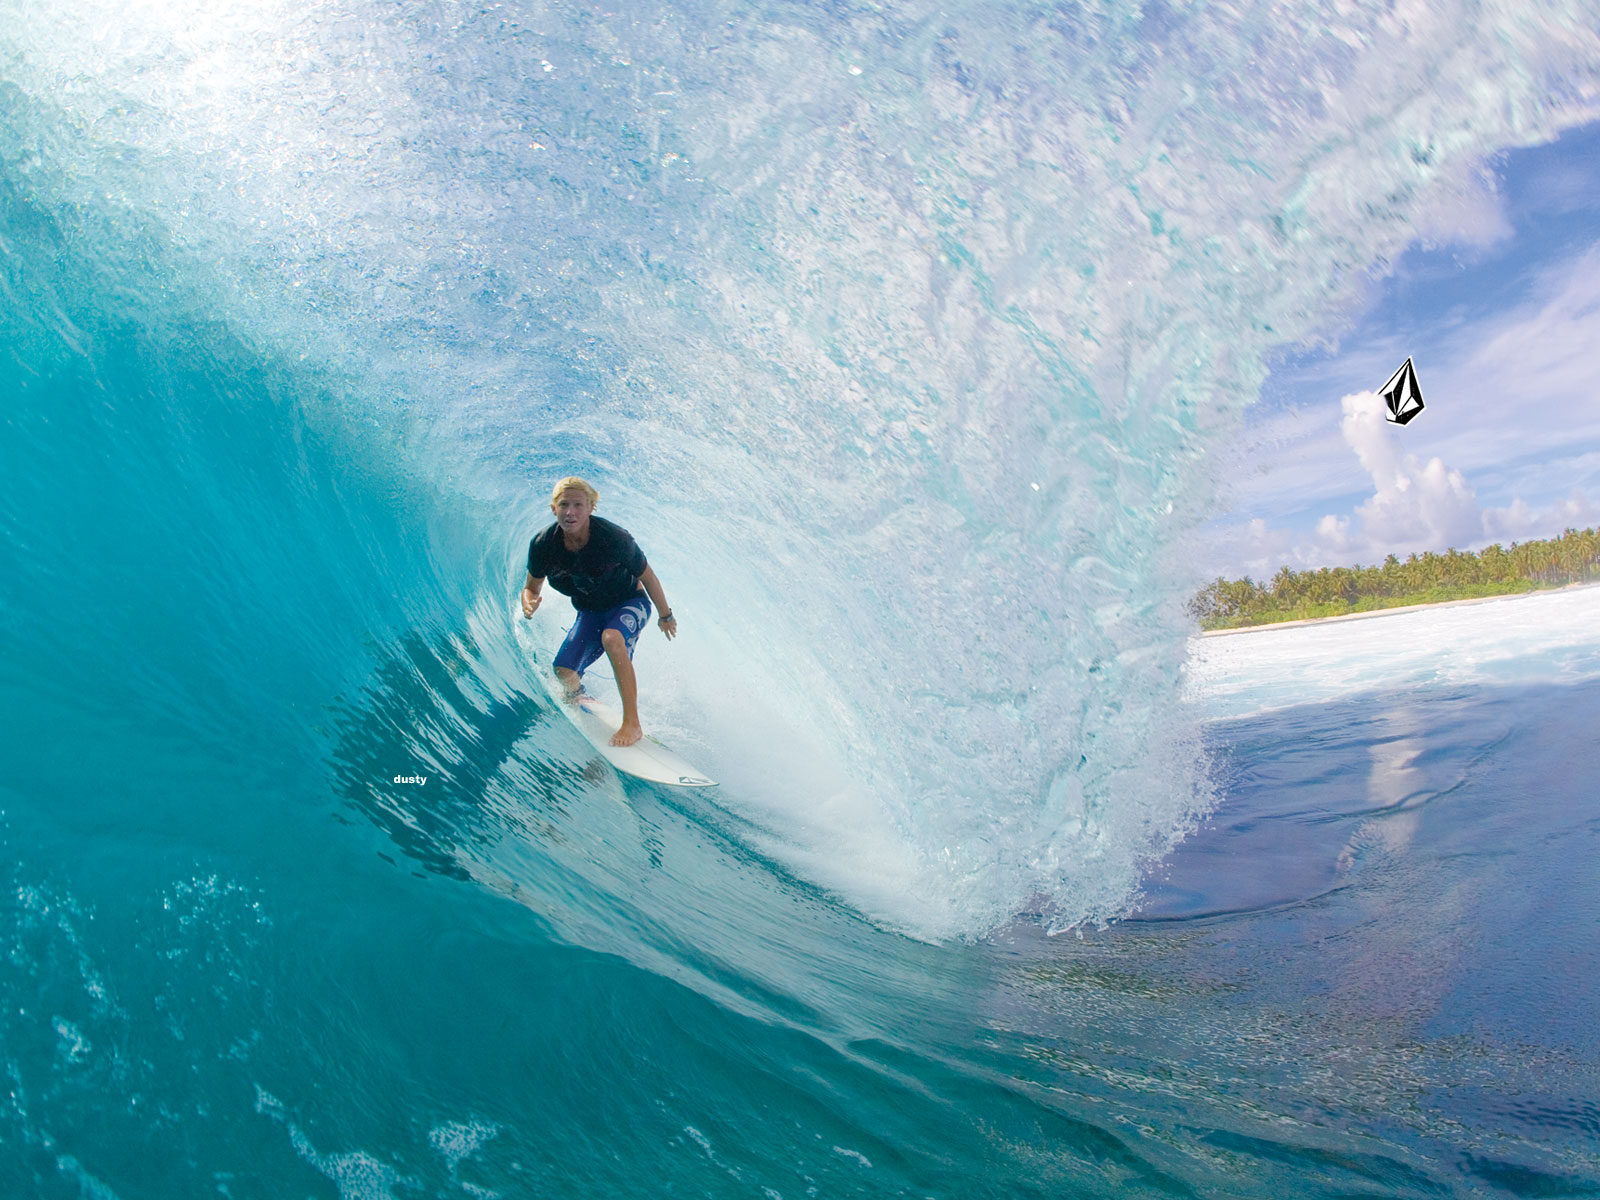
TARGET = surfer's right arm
x,y
530,594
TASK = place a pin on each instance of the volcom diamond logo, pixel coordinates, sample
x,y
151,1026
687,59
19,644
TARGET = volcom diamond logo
x,y
1402,395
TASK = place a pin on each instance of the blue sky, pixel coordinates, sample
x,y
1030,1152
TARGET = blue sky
x,y
1500,310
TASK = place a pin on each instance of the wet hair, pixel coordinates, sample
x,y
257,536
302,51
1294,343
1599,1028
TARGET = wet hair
x,y
574,483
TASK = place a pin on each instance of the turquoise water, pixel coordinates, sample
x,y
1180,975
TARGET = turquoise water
x,y
902,338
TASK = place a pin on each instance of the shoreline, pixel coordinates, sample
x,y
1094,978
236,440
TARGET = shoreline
x,y
1387,612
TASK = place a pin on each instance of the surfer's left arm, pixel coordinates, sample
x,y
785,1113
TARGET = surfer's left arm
x,y
530,594
652,587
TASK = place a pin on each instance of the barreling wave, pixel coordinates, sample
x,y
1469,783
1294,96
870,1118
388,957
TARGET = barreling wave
x,y
899,335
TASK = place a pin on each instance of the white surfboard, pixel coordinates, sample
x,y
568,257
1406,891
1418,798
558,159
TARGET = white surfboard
x,y
646,759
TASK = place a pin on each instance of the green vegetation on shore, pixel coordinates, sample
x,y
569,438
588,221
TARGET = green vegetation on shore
x,y
1574,557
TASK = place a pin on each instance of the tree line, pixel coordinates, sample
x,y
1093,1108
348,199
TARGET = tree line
x,y
1574,557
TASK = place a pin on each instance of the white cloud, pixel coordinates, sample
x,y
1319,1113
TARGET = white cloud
x,y
1513,397
1527,382
1262,549
1513,405
1415,506
1518,522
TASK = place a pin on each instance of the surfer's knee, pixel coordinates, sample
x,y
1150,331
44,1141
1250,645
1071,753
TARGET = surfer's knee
x,y
613,641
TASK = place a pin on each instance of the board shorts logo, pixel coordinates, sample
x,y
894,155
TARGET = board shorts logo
x,y
630,619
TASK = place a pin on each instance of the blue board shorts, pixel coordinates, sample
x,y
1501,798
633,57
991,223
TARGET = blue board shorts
x,y
583,646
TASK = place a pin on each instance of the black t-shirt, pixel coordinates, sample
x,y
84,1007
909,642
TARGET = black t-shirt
x,y
600,576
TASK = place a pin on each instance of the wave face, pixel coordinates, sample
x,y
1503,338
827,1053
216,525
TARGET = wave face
x,y
899,336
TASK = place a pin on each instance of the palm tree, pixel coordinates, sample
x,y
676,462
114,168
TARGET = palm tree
x,y
1573,557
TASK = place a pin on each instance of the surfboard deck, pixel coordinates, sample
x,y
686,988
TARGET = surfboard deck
x,y
646,759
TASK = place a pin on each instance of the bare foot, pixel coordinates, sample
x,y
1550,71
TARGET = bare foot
x,y
628,734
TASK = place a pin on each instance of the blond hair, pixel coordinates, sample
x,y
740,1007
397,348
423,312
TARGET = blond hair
x,y
573,483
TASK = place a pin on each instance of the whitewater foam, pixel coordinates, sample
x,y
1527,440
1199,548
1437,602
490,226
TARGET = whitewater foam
x,y
1539,637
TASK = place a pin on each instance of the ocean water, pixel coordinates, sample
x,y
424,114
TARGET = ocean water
x,y
904,338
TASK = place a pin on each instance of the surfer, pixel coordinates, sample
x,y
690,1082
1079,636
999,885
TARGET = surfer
x,y
601,567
